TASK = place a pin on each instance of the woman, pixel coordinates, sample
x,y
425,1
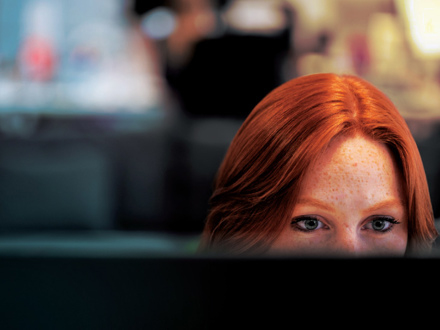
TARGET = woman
x,y
323,164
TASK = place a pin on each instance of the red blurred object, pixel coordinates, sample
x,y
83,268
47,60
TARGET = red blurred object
x,y
360,53
38,59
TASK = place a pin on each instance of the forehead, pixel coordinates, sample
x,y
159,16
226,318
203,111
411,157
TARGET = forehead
x,y
353,165
356,151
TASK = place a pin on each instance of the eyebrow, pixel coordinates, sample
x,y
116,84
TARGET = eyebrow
x,y
315,202
327,207
384,204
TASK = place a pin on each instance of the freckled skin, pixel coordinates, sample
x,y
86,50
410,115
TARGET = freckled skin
x,y
351,177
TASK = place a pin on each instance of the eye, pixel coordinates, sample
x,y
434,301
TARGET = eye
x,y
381,224
307,223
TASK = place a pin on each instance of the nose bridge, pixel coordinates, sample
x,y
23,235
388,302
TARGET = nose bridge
x,y
347,241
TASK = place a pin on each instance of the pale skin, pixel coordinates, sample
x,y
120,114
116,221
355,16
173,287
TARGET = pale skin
x,y
350,203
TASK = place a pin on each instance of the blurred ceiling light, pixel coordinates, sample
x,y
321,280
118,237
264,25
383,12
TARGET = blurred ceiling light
x,y
158,23
422,20
261,16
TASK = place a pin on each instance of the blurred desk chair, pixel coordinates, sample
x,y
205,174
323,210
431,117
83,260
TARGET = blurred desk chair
x,y
207,141
427,136
141,161
54,185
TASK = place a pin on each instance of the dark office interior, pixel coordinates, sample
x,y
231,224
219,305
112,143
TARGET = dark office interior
x,y
115,116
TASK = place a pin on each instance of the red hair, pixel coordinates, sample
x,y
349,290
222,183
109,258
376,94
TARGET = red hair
x,y
257,183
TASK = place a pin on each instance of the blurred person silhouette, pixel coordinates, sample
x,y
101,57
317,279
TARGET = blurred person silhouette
x,y
323,165
218,51
235,65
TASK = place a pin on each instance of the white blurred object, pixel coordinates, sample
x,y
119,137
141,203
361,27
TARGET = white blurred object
x,y
114,89
385,38
159,23
262,16
386,47
422,22
42,17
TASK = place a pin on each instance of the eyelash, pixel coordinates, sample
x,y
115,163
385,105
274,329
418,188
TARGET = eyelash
x,y
390,220
294,223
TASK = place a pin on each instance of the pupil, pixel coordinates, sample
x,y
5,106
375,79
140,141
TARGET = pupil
x,y
378,224
311,224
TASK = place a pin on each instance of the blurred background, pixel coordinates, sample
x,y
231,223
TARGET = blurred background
x,y
115,114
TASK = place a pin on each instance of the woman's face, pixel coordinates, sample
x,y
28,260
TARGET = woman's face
x,y
350,202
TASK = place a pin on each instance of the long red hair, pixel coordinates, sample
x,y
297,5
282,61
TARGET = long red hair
x,y
257,183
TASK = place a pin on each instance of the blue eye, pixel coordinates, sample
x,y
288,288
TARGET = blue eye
x,y
306,224
381,224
